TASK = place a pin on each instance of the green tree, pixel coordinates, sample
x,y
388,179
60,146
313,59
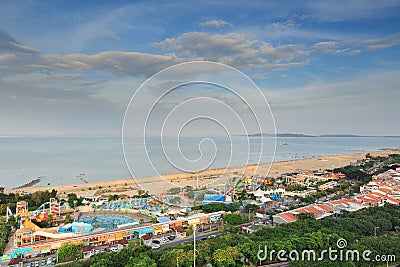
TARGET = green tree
x,y
226,257
68,218
233,219
50,219
252,207
69,252
74,200
142,260
189,231
174,190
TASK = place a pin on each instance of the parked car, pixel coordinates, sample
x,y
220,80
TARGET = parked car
x,y
156,241
155,247
49,261
171,237
114,249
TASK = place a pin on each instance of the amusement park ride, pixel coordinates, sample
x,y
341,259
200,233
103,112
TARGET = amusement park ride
x,y
52,207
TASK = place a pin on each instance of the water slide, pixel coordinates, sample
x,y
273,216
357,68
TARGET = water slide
x,y
39,210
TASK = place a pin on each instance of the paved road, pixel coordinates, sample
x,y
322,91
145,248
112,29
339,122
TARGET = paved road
x,y
188,240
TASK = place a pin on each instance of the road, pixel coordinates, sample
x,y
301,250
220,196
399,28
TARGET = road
x,y
188,240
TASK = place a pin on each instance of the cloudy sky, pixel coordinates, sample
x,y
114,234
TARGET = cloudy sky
x,y
71,67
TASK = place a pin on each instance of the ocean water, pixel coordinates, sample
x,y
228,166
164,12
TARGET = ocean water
x,y
61,160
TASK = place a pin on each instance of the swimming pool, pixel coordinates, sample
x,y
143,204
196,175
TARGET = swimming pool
x,y
107,222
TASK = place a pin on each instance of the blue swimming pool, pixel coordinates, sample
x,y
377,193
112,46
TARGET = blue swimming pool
x,y
106,221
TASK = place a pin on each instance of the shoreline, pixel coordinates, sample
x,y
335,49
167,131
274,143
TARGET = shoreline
x,y
128,186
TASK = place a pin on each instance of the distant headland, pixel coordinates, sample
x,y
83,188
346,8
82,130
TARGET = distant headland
x,y
324,135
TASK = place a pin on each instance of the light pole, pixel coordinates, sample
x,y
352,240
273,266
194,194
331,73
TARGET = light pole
x,y
177,261
194,245
249,213
376,227
74,209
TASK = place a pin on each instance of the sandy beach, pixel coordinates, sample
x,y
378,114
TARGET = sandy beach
x,y
129,186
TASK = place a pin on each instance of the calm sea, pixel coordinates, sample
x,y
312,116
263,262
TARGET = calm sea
x,y
60,160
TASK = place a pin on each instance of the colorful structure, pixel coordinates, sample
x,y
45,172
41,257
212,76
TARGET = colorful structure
x,y
21,208
212,199
236,185
27,245
41,214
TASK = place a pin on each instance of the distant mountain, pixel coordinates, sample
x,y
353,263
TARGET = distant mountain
x,y
354,135
324,135
341,135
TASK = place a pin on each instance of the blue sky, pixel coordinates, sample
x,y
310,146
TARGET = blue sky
x,y
325,66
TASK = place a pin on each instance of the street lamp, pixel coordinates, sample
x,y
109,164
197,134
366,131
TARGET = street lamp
x,y
249,213
194,244
74,209
177,261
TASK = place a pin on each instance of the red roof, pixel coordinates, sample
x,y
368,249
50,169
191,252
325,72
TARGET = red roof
x,y
384,190
372,196
378,194
288,217
87,248
367,199
325,207
352,201
391,199
345,201
123,242
14,261
300,210
314,211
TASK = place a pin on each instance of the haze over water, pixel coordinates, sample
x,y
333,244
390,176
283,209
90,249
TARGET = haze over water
x,y
60,160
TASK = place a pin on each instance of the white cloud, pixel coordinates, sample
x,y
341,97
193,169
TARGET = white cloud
x,y
280,26
381,43
10,45
214,23
122,63
236,49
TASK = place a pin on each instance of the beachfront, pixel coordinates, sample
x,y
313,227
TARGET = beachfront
x,y
129,186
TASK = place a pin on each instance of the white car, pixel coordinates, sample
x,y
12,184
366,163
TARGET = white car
x,y
164,240
155,247
49,261
114,249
